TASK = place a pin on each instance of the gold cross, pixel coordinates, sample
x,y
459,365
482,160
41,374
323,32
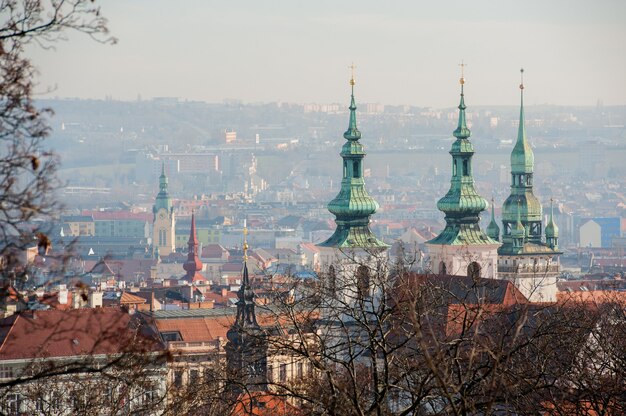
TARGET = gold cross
x,y
462,65
352,67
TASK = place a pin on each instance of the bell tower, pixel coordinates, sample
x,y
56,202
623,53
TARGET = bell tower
x,y
462,248
164,220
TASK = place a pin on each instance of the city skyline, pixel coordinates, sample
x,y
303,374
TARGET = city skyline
x,y
301,53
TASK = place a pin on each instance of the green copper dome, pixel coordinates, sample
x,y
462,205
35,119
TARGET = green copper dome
x,y
163,199
353,206
462,204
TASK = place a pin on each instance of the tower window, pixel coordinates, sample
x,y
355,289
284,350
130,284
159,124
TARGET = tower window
x,y
442,267
355,169
345,169
465,168
454,167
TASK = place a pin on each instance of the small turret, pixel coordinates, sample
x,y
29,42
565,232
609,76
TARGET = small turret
x,y
193,265
493,231
519,232
552,231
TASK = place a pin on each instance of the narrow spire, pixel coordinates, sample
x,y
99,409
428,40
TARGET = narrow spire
x,y
245,249
493,230
462,132
521,132
163,168
552,231
353,132
193,265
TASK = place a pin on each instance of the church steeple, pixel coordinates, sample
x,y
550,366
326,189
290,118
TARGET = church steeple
x,y
246,350
193,265
163,199
462,204
353,206
493,231
521,201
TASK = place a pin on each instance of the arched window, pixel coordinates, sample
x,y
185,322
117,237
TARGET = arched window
x,y
473,270
454,167
345,169
442,268
356,172
362,282
465,168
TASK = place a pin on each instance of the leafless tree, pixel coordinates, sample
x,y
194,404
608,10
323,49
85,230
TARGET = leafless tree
x,y
27,167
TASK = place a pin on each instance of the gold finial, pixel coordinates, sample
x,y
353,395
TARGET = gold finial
x,y
352,67
462,65
245,242
521,86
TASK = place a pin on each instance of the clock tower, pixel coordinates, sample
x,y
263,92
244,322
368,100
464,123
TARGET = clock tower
x,y
164,221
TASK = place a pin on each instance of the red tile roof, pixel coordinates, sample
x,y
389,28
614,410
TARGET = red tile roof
x,y
75,332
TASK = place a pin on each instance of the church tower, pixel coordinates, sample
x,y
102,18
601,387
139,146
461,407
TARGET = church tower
x,y
353,255
524,258
462,248
193,265
246,349
164,222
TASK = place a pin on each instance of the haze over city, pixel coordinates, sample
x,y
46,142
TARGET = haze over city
x,y
312,208
406,52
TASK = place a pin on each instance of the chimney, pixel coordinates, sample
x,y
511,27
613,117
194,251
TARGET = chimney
x,y
152,301
224,292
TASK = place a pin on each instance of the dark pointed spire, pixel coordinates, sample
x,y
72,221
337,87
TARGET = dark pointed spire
x,y
193,265
246,314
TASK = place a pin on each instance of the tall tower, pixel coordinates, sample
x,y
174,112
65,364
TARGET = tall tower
x,y
353,256
462,248
193,265
246,350
353,206
164,222
524,258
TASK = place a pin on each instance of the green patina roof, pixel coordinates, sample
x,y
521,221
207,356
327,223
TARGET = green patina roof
x,y
530,249
522,158
551,229
523,202
353,206
163,199
493,231
462,204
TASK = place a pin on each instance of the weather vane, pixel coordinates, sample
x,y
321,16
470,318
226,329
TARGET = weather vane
x,y
462,65
352,67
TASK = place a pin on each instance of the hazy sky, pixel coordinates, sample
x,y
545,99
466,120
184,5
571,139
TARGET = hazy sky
x,y
406,52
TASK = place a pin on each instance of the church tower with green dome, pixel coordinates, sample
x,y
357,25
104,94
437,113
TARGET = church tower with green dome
x,y
350,260
462,248
353,206
524,258
164,223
